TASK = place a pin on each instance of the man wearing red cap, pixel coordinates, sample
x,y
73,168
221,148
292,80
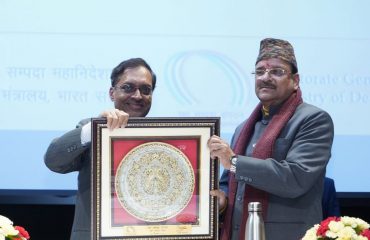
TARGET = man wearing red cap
x,y
278,156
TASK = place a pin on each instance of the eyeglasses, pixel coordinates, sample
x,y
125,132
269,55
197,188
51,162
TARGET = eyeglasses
x,y
129,88
273,72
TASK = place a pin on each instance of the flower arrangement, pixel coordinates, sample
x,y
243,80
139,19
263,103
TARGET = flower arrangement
x,y
10,232
340,228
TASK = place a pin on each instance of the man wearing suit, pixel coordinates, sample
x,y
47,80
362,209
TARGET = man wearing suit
x,y
278,156
132,85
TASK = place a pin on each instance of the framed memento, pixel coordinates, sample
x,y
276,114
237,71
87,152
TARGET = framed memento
x,y
151,179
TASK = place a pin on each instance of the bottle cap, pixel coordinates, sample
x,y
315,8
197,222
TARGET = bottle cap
x,y
254,207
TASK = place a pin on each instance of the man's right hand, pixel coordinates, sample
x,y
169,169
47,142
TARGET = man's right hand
x,y
115,118
221,196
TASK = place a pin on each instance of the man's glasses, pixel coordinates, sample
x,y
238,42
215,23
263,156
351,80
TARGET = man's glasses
x,y
129,88
273,72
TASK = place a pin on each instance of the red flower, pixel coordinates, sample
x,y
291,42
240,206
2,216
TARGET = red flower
x,y
366,233
22,233
324,225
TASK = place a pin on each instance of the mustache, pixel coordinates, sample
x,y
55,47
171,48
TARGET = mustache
x,y
266,85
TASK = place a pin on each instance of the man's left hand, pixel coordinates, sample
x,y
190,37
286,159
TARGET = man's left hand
x,y
220,149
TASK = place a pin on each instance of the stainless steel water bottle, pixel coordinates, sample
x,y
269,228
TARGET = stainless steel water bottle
x,y
255,228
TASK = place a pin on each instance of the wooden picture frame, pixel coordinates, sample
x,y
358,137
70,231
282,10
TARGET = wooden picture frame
x,y
151,179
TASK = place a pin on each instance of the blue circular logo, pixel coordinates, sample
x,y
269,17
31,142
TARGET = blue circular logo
x,y
187,73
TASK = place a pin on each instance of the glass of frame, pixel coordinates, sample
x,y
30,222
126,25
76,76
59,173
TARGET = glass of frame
x,y
151,179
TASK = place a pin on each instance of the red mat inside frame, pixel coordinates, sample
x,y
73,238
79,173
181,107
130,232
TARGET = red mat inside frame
x,y
120,148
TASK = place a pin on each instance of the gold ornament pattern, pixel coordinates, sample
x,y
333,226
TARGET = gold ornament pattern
x,y
154,181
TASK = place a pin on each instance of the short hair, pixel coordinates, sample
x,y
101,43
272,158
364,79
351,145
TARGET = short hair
x,y
131,63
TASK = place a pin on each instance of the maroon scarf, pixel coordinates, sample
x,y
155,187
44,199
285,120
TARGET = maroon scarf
x,y
262,150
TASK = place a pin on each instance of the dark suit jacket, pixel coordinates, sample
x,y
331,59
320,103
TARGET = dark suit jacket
x,y
294,175
330,204
66,154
